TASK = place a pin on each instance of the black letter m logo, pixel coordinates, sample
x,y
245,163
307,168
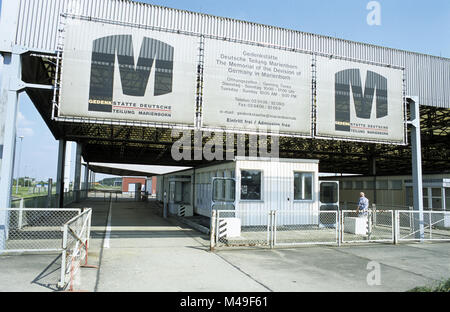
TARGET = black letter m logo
x,y
363,101
134,78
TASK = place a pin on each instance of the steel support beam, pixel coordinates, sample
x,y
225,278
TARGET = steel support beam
x,y
60,174
77,179
416,148
86,177
9,104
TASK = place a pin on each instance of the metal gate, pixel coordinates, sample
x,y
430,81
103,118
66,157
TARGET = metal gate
x,y
377,226
33,229
423,226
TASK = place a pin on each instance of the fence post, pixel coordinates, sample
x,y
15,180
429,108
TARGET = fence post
x,y
269,227
217,227
273,228
369,224
431,224
374,208
212,230
62,281
88,235
20,221
338,217
396,226
411,219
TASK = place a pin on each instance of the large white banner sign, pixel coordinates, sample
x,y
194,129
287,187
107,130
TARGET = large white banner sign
x,y
359,101
248,87
117,72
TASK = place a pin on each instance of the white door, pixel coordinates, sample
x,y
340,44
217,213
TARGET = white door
x,y
328,201
131,187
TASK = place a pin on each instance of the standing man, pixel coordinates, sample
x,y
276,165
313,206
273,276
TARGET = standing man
x,y
363,205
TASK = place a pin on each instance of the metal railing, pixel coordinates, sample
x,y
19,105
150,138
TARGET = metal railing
x,y
425,226
75,248
47,201
376,226
107,195
24,230
273,228
237,228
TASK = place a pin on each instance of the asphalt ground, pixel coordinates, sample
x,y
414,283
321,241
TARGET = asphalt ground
x,y
136,250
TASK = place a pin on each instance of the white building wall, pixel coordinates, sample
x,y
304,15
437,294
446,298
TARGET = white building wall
x,y
277,190
278,193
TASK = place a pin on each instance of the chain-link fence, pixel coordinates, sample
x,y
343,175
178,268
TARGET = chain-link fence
x,y
47,201
75,244
274,228
426,225
300,228
372,226
243,228
33,229
234,228
105,195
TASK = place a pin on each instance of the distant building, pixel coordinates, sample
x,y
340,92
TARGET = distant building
x,y
129,183
395,191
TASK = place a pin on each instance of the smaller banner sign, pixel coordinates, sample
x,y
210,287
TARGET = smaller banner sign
x,y
125,73
359,101
256,88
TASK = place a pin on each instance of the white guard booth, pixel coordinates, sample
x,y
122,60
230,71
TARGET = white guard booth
x,y
290,186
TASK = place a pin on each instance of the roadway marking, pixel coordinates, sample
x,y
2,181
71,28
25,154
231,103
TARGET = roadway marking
x,y
108,227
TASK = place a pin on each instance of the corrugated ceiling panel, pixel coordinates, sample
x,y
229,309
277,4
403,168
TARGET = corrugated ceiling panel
x,y
427,76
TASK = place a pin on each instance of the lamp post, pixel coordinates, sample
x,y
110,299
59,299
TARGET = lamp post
x,y
18,165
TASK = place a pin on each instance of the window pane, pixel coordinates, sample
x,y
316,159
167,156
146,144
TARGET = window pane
x,y
250,185
348,185
369,185
436,192
396,184
224,190
437,203
382,185
328,193
303,182
359,185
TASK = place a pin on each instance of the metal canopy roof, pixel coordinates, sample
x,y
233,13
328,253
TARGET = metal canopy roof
x,y
132,170
152,146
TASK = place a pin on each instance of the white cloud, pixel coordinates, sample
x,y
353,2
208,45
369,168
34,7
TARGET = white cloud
x,y
22,121
26,132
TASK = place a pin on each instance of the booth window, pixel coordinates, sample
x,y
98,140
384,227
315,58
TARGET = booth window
x,y
250,185
303,185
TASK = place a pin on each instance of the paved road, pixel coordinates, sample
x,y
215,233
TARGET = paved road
x,y
136,250
148,253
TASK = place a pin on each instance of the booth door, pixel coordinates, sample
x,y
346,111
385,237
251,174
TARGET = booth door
x,y
328,201
329,195
223,194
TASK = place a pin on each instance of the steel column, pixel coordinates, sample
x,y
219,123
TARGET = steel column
x,y
60,174
9,100
416,148
77,179
86,179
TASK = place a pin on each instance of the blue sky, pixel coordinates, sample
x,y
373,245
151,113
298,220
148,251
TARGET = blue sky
x,y
419,26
